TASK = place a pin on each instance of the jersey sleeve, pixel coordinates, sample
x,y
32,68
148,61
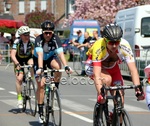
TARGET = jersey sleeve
x,y
126,51
15,44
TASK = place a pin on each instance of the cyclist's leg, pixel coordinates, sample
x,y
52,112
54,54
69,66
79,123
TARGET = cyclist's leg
x,y
56,64
116,77
30,62
19,78
40,90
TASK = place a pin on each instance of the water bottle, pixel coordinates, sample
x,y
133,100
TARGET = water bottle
x,y
47,89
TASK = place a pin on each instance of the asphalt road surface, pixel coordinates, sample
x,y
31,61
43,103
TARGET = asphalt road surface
x,y
78,97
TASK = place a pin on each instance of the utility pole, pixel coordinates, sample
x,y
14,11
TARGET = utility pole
x,y
66,8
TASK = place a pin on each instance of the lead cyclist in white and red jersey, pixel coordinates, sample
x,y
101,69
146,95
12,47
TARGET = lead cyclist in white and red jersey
x,y
104,58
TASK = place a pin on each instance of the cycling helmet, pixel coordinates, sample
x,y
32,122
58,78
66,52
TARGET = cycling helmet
x,y
112,32
47,25
23,30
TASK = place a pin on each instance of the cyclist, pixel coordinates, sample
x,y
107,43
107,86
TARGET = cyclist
x,y
105,55
48,52
22,52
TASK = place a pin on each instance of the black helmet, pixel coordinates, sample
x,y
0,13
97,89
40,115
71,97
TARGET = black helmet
x,y
47,25
112,32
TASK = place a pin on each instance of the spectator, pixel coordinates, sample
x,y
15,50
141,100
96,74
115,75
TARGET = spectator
x,y
76,43
2,38
2,46
95,35
85,44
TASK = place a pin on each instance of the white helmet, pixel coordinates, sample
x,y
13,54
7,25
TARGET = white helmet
x,y
23,30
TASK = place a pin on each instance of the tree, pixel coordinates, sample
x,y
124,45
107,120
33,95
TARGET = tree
x,y
35,18
102,10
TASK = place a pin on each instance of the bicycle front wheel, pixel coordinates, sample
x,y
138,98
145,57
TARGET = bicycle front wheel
x,y
32,97
100,116
122,118
126,120
24,97
56,108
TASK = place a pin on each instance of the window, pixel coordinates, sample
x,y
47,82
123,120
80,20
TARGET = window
x,y
32,5
43,4
71,8
21,7
145,27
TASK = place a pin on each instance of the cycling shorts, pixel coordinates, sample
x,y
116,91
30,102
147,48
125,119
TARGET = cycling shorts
x,y
45,63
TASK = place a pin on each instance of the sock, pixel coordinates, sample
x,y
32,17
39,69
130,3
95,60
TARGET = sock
x,y
40,108
19,97
57,84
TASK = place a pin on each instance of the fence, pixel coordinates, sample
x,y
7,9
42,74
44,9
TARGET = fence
x,y
5,54
142,59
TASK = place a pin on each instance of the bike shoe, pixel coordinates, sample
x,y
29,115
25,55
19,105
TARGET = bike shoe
x,y
20,104
41,118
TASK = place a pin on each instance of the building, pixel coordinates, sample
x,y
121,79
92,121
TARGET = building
x,y
18,9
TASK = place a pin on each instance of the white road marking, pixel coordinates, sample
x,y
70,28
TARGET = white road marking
x,y
12,92
78,116
2,89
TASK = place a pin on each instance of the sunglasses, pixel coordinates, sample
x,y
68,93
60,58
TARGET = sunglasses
x,y
112,42
46,33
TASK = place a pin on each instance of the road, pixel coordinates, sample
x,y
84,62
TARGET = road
x,y
78,97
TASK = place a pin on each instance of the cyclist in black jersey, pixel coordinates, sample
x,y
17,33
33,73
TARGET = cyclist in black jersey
x,y
22,53
48,52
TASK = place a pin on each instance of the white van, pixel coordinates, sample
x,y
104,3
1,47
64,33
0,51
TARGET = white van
x,y
135,23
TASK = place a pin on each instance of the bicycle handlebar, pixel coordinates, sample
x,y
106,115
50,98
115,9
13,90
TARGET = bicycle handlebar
x,y
54,70
26,66
122,87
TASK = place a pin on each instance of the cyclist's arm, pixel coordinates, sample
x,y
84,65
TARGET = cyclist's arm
x,y
13,56
60,53
97,78
134,73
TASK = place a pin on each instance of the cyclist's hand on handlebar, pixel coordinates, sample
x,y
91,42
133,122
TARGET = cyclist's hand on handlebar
x,y
68,70
101,99
17,66
139,93
39,71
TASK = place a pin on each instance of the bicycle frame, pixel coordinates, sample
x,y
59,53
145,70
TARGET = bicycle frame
x,y
52,96
101,114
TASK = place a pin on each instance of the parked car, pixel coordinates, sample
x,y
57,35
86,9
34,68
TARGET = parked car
x,y
65,45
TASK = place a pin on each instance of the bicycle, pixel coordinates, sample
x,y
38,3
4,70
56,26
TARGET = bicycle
x,y
102,116
28,90
52,102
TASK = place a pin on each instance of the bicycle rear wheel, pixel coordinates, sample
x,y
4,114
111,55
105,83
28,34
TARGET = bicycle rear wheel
x,y
56,108
32,97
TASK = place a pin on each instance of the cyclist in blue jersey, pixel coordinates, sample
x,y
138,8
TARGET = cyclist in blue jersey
x,y
22,52
48,52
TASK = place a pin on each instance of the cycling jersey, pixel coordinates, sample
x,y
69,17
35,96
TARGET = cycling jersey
x,y
24,50
49,49
98,52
